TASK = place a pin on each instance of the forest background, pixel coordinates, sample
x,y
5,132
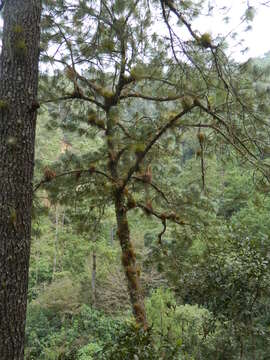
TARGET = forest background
x,y
162,143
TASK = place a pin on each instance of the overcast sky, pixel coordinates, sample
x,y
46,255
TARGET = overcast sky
x,y
257,39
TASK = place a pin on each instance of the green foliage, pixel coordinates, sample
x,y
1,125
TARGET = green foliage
x,y
136,343
76,336
3,104
123,89
190,327
238,189
89,351
62,296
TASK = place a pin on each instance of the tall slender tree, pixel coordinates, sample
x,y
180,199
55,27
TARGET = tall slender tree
x,y
136,89
18,110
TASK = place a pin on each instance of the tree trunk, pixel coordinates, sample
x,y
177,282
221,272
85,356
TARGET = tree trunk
x,y
55,256
241,349
129,262
128,254
112,235
18,106
93,278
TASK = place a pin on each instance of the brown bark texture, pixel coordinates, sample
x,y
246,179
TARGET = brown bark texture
x,y
18,107
129,263
128,254
93,279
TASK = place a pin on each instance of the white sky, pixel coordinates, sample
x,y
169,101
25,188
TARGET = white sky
x,y
256,39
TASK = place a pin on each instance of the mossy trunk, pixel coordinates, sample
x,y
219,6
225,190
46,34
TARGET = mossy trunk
x,y
129,263
93,278
18,106
128,254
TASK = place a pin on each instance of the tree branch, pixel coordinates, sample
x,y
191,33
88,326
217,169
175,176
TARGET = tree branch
x,y
223,122
171,216
162,232
73,96
2,4
153,186
151,98
71,172
142,155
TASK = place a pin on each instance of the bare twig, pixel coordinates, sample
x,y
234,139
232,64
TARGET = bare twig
x,y
162,232
142,155
153,186
2,4
71,172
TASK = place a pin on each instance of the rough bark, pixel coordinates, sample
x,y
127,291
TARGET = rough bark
x,y
18,106
55,256
128,254
93,278
129,263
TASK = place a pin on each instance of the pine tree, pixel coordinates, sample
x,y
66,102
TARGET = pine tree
x,y
18,109
135,90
